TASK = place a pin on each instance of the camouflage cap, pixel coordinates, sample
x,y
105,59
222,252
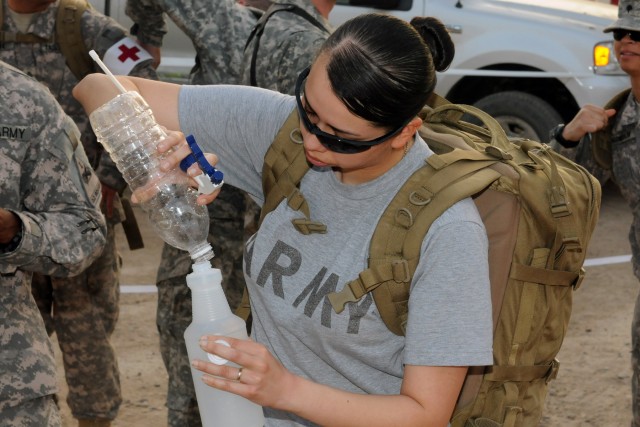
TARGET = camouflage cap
x,y
628,16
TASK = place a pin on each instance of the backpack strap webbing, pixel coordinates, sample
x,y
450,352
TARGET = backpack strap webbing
x,y
258,30
284,166
69,36
601,140
395,246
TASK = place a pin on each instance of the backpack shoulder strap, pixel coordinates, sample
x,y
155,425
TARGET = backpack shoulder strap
x,y
601,140
69,36
258,29
284,166
396,242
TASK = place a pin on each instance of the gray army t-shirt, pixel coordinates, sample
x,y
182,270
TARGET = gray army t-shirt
x,y
290,274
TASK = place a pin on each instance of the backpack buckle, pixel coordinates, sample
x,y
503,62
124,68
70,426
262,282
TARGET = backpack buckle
x,y
306,226
579,279
553,371
339,299
404,217
400,271
497,153
295,199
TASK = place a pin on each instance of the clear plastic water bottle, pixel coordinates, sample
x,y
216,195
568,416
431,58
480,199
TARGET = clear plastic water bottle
x,y
212,315
127,129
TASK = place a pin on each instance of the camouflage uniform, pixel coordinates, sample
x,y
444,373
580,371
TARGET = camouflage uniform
x,y
55,193
621,140
218,31
288,45
625,150
82,310
615,151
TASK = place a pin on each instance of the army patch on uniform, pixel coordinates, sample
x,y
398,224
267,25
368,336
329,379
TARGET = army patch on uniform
x,y
20,133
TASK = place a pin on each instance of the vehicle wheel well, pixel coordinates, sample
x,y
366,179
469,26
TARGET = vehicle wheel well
x,y
473,88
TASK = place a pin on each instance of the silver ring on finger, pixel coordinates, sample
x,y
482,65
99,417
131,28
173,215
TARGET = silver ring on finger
x,y
239,374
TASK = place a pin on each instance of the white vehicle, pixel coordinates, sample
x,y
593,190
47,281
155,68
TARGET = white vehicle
x,y
529,63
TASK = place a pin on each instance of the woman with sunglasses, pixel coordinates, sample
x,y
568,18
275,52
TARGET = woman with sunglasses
x,y
307,365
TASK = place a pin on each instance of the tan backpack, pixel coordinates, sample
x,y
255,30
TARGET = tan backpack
x,y
68,36
539,210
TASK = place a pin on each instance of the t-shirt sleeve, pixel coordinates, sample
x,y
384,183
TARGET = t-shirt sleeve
x,y
238,124
450,318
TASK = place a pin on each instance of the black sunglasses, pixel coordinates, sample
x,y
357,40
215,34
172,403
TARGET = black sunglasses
x,y
620,34
333,142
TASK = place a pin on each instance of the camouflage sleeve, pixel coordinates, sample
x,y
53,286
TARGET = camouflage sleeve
x,y
296,54
47,181
149,21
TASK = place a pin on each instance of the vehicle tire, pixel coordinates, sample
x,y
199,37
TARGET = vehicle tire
x,y
521,114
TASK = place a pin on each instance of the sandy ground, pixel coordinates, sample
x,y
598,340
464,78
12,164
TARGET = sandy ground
x,y
592,388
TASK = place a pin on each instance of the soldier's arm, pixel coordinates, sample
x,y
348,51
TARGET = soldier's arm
x,y
61,228
149,21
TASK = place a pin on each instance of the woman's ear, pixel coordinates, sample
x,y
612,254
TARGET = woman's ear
x,y
407,133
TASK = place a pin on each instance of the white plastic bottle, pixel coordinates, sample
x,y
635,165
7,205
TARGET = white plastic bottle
x,y
212,316
127,129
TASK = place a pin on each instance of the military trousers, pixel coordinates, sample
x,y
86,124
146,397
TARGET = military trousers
x,y
40,412
83,311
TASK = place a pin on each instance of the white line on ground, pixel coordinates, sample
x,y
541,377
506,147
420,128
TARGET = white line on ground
x,y
138,289
607,260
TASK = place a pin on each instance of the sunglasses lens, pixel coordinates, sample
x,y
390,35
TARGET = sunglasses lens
x,y
341,147
620,34
330,142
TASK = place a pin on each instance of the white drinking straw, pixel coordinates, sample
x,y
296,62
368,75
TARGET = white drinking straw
x,y
94,55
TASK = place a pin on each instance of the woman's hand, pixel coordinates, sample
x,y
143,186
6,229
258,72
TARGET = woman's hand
x,y
261,378
589,119
175,148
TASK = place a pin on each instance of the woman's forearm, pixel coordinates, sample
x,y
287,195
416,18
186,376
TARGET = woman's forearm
x,y
96,89
427,396
429,404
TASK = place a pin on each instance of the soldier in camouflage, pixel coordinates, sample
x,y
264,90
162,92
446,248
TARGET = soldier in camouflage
x,y
288,45
615,149
218,31
82,310
50,223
